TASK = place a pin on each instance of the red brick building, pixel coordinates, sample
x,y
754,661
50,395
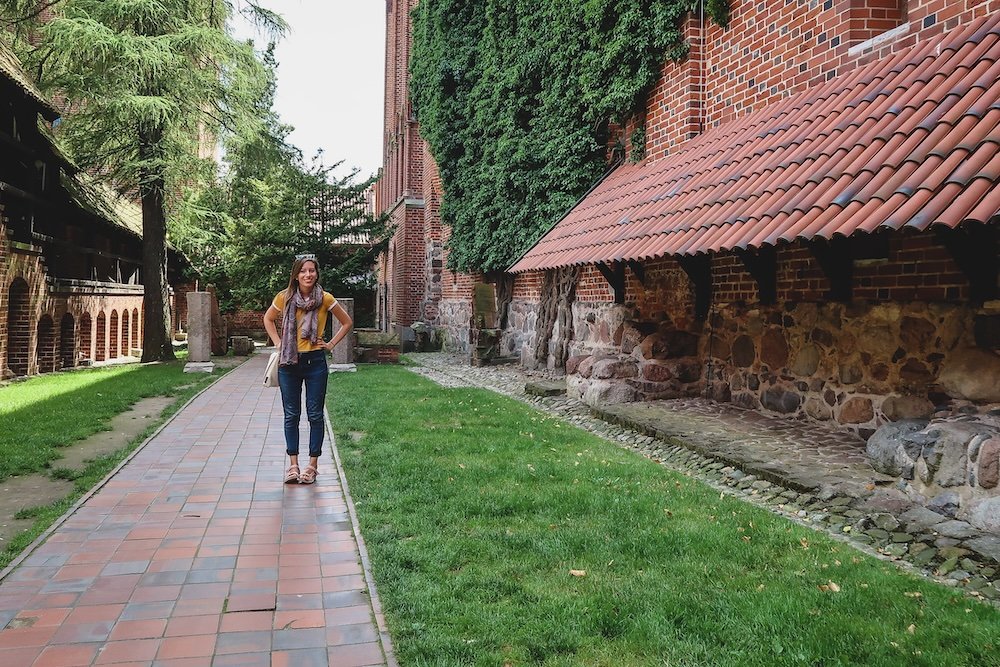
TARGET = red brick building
x,y
813,231
413,284
70,249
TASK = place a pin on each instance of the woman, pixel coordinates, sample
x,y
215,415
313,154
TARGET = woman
x,y
302,354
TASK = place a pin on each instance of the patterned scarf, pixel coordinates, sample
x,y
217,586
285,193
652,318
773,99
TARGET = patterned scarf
x,y
310,323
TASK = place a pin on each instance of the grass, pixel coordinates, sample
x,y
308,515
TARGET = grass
x,y
476,509
44,413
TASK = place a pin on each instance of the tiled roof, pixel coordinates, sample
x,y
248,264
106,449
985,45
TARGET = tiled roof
x,y
103,201
909,141
10,67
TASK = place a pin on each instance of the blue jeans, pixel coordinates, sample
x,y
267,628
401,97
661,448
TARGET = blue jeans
x,y
311,370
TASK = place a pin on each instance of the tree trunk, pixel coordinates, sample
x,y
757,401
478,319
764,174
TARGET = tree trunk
x,y
156,344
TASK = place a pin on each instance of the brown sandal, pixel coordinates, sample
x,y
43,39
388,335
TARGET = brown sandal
x,y
308,475
292,475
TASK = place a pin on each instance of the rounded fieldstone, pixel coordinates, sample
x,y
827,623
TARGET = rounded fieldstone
x,y
971,374
655,371
823,337
818,410
744,352
880,371
777,398
850,373
988,463
806,361
573,363
857,410
906,407
774,348
914,372
915,333
719,348
746,400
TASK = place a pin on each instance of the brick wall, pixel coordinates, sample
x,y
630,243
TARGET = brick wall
x,y
412,280
433,239
50,329
776,48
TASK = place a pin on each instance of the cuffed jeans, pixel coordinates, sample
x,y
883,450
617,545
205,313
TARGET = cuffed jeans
x,y
310,370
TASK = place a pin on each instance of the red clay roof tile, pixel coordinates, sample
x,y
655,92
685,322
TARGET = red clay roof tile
x,y
911,141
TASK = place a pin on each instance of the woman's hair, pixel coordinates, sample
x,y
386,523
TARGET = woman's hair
x,y
293,279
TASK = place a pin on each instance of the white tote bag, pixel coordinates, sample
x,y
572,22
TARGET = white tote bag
x,y
271,371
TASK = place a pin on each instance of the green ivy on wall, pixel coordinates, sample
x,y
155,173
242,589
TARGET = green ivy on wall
x,y
515,97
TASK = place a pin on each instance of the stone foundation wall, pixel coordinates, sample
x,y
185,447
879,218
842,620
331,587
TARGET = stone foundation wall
x,y
454,318
860,365
616,358
518,338
951,465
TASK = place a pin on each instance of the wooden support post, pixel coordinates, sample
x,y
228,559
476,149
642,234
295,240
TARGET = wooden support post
x,y
836,261
615,275
974,248
699,270
639,270
762,264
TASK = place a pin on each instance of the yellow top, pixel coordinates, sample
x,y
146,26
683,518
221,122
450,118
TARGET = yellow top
x,y
328,303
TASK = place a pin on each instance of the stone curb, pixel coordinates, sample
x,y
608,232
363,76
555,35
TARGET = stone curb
x,y
950,552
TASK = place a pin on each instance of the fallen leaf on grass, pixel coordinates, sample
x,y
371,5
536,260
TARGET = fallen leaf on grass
x,y
913,594
804,542
578,573
829,587
912,629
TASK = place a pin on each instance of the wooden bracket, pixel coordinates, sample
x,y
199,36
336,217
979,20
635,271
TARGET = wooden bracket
x,y
836,261
762,264
974,248
699,270
615,275
639,270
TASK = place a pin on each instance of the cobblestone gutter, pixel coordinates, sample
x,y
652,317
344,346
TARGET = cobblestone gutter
x,y
814,476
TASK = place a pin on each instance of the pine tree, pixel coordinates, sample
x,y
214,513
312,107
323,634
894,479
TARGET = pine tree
x,y
148,84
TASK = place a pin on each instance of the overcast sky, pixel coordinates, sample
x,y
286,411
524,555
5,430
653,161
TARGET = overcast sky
x,y
331,66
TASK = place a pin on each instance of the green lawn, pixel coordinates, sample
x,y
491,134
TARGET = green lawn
x,y
477,509
43,413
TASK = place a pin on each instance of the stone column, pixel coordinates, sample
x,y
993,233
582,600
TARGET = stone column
x,y
344,352
199,320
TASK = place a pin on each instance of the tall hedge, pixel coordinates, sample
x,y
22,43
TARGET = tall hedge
x,y
515,97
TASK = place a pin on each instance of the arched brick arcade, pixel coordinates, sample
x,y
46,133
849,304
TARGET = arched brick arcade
x,y
113,336
67,341
125,323
18,327
101,342
135,327
45,348
86,336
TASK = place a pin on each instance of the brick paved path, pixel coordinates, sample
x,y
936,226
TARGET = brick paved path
x,y
194,553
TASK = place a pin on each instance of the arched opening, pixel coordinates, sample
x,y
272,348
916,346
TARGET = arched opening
x,y
135,327
113,336
67,341
18,327
45,348
87,336
101,342
125,324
